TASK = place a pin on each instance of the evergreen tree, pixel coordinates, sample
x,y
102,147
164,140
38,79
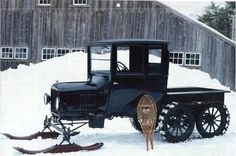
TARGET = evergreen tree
x,y
219,17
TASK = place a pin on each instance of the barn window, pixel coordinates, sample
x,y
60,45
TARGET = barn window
x,y
21,53
6,52
48,53
78,50
192,59
62,51
176,57
44,2
79,2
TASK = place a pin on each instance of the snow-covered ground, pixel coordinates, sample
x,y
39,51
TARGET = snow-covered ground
x,y
22,112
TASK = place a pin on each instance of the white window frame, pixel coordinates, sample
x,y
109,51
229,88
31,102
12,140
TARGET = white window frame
x,y
62,49
45,4
48,49
22,58
74,3
193,65
6,57
178,58
77,50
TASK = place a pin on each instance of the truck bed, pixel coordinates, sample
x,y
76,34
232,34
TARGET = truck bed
x,y
194,94
193,90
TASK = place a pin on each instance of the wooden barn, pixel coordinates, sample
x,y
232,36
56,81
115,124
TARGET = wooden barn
x,y
35,30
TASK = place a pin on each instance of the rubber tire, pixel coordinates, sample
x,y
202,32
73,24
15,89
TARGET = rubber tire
x,y
223,124
136,124
163,119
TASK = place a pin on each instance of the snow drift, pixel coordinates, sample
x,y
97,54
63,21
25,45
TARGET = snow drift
x,y
22,112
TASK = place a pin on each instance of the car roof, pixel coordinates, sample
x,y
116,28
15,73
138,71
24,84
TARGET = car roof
x,y
129,41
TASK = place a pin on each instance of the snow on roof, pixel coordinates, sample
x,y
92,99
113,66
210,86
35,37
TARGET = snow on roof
x,y
196,22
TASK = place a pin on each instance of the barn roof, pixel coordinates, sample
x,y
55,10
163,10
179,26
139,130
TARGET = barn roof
x,y
197,23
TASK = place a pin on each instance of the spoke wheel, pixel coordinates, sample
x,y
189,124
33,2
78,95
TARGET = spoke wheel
x,y
213,120
176,123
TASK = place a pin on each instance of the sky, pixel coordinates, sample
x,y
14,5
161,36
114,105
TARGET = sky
x,y
192,8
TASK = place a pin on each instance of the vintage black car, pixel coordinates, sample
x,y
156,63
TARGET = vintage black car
x,y
120,72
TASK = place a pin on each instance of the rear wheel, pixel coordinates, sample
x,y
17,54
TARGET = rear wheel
x,y
176,123
213,120
136,124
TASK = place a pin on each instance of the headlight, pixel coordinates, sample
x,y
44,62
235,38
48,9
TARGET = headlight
x,y
46,98
57,103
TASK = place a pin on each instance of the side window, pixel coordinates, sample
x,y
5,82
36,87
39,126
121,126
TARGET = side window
x,y
123,55
154,59
100,58
130,58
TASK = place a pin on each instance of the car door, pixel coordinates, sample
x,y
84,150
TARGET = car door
x,y
156,79
129,78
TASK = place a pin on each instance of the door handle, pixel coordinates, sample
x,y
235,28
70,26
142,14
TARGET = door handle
x,y
115,83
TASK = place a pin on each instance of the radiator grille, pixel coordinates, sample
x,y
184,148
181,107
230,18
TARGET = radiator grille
x,y
81,101
88,100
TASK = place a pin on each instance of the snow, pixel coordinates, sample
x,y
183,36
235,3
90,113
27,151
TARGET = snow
x,y
22,112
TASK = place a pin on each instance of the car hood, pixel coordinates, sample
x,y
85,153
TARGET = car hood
x,y
74,86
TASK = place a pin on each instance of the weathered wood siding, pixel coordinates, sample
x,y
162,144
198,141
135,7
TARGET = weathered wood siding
x,y
24,23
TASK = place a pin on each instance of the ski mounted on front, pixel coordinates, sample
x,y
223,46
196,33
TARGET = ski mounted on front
x,y
120,72
61,148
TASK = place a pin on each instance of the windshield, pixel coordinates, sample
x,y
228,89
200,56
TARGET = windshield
x,y
100,58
